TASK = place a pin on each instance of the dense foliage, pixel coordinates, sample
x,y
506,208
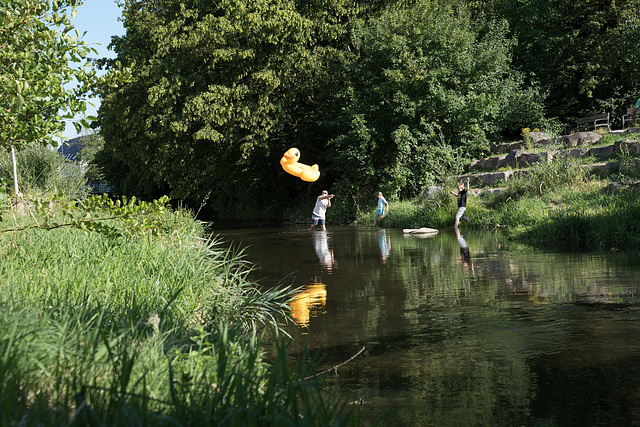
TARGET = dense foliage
x,y
219,92
431,88
39,56
386,95
584,53
375,95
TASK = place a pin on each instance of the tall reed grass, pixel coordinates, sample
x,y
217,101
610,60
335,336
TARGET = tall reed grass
x,y
144,329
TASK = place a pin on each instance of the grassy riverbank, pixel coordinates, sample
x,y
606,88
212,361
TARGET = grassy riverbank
x,y
125,315
556,205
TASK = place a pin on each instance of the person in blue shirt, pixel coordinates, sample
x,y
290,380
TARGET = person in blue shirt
x,y
380,211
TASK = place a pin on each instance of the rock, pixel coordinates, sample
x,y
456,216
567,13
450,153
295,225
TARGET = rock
x,y
491,162
473,179
605,151
490,191
619,132
490,178
487,163
423,230
527,159
519,173
507,147
603,168
539,137
630,166
512,158
431,192
574,153
613,187
627,146
580,138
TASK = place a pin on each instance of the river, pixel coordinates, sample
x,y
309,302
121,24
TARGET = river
x,y
467,329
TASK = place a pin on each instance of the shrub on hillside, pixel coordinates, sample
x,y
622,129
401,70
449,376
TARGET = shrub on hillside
x,y
42,169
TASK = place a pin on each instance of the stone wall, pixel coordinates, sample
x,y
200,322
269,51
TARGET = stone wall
x,y
518,158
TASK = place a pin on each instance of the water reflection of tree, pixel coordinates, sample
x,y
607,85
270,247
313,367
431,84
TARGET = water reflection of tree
x,y
450,348
471,345
507,268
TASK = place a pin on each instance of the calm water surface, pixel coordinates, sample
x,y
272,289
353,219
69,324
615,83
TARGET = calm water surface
x,y
461,330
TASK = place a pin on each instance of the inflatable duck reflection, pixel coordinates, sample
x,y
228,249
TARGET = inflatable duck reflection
x,y
313,297
290,165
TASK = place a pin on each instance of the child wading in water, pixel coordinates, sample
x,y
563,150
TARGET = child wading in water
x,y
462,202
382,203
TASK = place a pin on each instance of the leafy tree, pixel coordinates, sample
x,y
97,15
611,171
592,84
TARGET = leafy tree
x,y
93,143
38,50
430,88
388,96
628,53
218,92
583,52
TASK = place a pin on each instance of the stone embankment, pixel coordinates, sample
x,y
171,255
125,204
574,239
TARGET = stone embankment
x,y
513,159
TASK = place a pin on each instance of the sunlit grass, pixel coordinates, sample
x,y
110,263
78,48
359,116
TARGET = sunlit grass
x,y
143,330
556,205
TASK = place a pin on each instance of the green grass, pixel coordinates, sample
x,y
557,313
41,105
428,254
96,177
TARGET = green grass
x,y
556,206
155,327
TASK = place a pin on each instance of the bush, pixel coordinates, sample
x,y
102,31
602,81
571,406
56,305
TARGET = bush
x,y
42,169
543,177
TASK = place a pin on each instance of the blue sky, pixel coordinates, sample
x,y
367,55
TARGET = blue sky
x,y
99,18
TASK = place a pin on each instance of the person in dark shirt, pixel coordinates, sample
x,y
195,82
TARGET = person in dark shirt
x,y
462,202
465,254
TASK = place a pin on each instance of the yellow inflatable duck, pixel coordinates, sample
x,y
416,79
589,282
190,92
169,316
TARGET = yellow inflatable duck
x,y
290,165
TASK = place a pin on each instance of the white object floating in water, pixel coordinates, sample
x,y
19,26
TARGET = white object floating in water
x,y
423,230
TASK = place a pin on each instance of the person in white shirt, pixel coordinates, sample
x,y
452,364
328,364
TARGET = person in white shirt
x,y
320,210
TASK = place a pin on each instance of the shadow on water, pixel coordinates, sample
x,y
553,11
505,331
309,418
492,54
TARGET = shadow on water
x,y
462,328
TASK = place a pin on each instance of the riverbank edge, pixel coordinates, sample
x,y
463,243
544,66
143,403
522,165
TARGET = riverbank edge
x,y
557,206
142,319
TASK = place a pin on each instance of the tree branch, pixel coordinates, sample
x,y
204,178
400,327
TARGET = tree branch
x,y
335,368
53,227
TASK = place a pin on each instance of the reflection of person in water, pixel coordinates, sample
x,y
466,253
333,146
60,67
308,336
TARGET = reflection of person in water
x,y
464,251
321,245
385,244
